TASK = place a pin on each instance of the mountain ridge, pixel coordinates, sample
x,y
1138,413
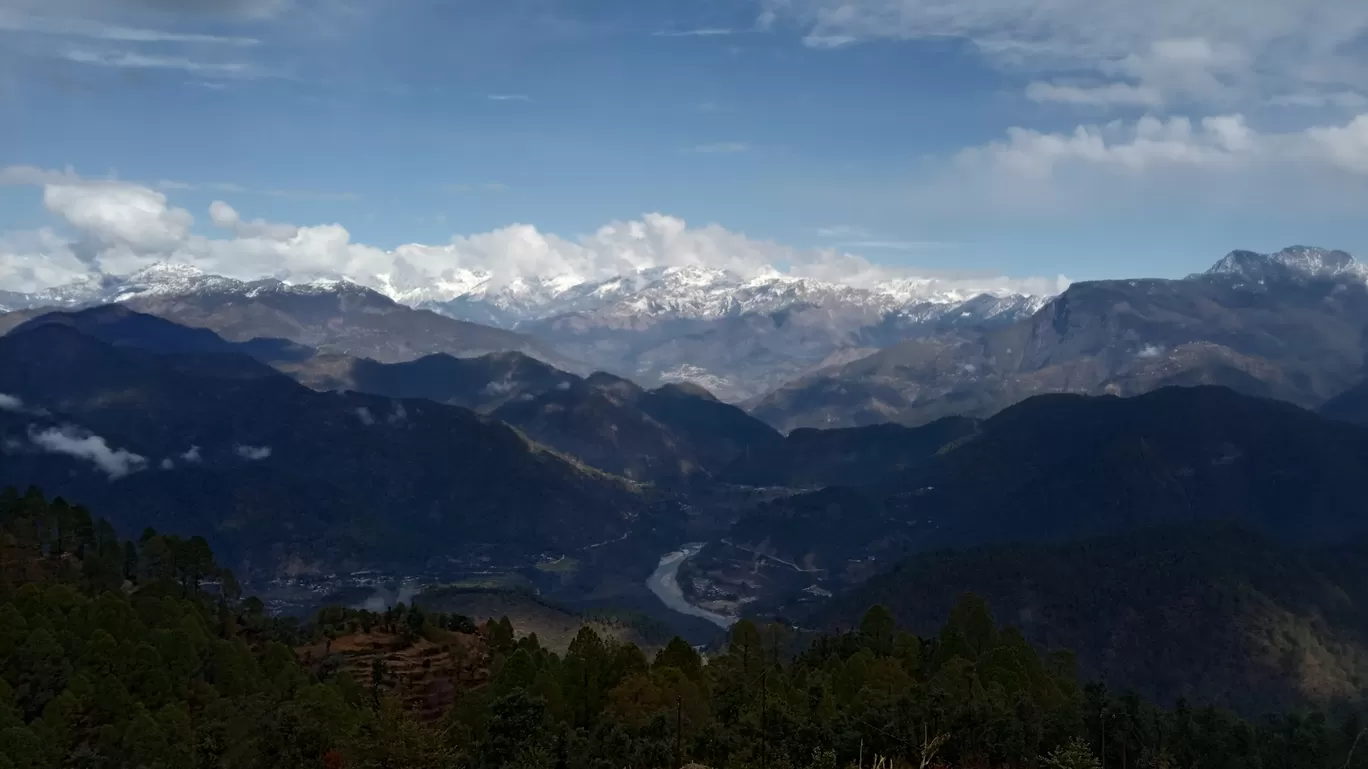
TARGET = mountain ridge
x,y
286,477
737,336
1291,325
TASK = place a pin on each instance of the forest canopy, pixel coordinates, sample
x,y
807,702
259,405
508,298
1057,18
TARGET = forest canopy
x,y
143,653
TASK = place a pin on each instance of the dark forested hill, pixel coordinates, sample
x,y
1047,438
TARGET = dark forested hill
x,y
1062,467
856,456
143,653
1212,614
1349,406
671,434
277,474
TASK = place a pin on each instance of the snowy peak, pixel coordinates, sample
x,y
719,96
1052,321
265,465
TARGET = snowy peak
x,y
637,299
1292,262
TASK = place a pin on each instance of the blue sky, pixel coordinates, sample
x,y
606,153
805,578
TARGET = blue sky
x,y
1091,139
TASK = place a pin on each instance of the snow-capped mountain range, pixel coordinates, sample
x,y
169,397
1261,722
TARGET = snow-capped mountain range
x,y
735,335
673,293
690,292
160,279
738,336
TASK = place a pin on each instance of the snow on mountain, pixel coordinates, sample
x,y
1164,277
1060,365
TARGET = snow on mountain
x,y
695,292
660,293
1294,261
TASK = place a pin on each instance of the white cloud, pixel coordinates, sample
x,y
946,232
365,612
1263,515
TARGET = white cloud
x,y
1172,70
35,175
192,455
1150,351
1193,48
249,10
1108,95
226,217
842,231
1346,146
1129,147
1350,100
703,32
509,97
170,185
75,442
38,259
253,453
78,27
122,226
10,403
136,60
1217,161
120,214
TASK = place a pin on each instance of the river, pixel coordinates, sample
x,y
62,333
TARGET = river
x,y
664,583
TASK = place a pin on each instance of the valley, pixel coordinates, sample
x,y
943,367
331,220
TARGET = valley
x,y
735,384
423,466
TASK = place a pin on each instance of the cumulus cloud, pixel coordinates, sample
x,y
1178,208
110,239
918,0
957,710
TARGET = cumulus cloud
x,y
38,259
1346,146
119,214
192,455
226,217
75,442
1214,159
1134,147
252,453
1150,351
120,227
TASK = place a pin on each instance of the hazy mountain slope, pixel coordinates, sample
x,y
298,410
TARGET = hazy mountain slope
x,y
1288,325
281,471
1212,614
740,341
120,326
482,383
855,456
671,434
341,318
